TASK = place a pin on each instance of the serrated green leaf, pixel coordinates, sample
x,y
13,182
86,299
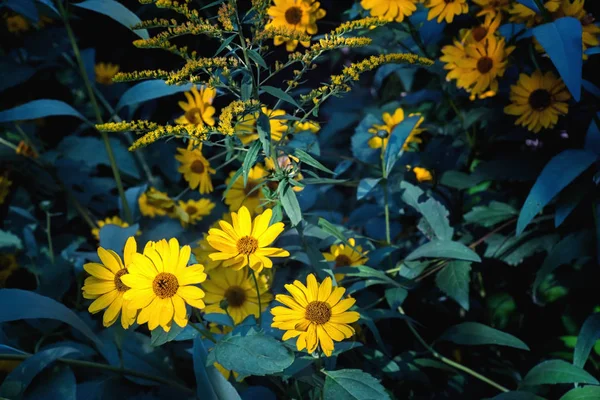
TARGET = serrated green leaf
x,y
490,215
250,159
514,249
454,280
397,137
159,337
474,333
308,159
280,94
435,215
444,249
583,393
352,384
557,371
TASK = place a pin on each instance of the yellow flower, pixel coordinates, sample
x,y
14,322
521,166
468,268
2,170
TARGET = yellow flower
x,y
538,100
390,121
492,7
251,195
391,10
109,221
202,252
8,264
245,243
476,66
17,24
345,256
161,284
285,163
422,174
523,14
296,15
310,126
198,109
237,288
25,150
106,285
5,184
105,72
195,168
194,210
481,32
316,314
153,202
246,127
446,9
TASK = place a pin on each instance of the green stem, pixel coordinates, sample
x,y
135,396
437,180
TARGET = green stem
x,y
205,333
543,10
386,205
49,236
258,296
105,367
415,35
447,361
94,101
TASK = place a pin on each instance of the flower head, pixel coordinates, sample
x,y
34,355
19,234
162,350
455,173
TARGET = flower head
x,y
105,72
422,174
245,242
446,9
153,202
520,13
538,100
5,184
306,126
194,210
381,133
316,314
492,7
481,32
238,290
198,109
392,10
162,284
295,15
246,127
250,195
195,168
8,264
342,255
106,287
17,24
289,165
109,221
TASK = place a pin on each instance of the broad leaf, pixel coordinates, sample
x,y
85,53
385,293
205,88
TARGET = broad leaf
x,y
490,215
365,186
557,371
149,90
250,160
352,384
290,204
39,109
583,393
444,249
474,333
435,215
116,11
211,385
589,333
454,280
158,336
516,395
393,150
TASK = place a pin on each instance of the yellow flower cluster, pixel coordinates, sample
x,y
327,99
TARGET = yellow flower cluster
x,y
234,110
364,23
198,132
128,126
200,27
156,23
140,75
180,8
208,65
327,44
282,31
226,13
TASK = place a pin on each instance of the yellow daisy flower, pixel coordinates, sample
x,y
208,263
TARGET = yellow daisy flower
x,y
297,15
202,252
481,32
195,168
5,184
381,133
8,265
345,256
492,7
446,9
245,243
194,210
250,196
17,24
538,100
246,127
391,10
161,284
238,289
109,221
476,66
106,286
422,174
105,72
310,126
316,314
525,15
153,202
198,109
285,163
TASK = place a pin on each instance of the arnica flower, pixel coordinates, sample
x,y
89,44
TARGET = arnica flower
x,y
8,265
315,314
446,9
342,255
422,174
290,168
195,168
238,290
481,32
476,66
251,195
391,10
296,15
105,72
109,221
153,202
246,127
106,286
245,243
17,24
381,133
538,100
194,210
198,109
162,284
5,184
492,7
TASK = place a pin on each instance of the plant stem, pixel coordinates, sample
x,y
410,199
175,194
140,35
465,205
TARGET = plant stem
x,y
49,236
386,206
445,360
105,367
543,10
415,35
205,333
258,296
93,100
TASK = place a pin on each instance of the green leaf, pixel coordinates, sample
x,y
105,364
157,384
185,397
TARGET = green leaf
x,y
225,43
308,159
516,395
474,333
583,393
250,159
490,215
395,297
280,94
323,181
290,204
253,354
257,58
158,336
263,126
9,242
234,178
589,333
211,385
333,231
352,384
116,11
39,109
557,174
444,249
514,249
365,186
149,90
454,280
435,215
557,371
397,137
460,180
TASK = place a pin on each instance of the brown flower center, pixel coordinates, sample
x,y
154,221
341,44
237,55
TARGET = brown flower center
x,y
191,210
121,287
343,261
235,296
197,167
247,245
479,33
293,15
540,99
194,116
165,285
485,64
318,312
250,191
449,1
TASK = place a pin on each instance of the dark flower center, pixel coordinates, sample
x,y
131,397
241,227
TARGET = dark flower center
x,y
540,99
165,285
293,15
194,116
479,33
343,261
485,64
318,312
191,210
249,190
247,245
121,287
197,167
236,296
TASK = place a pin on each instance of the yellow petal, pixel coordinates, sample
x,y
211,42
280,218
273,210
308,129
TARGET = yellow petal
x,y
103,301
99,271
